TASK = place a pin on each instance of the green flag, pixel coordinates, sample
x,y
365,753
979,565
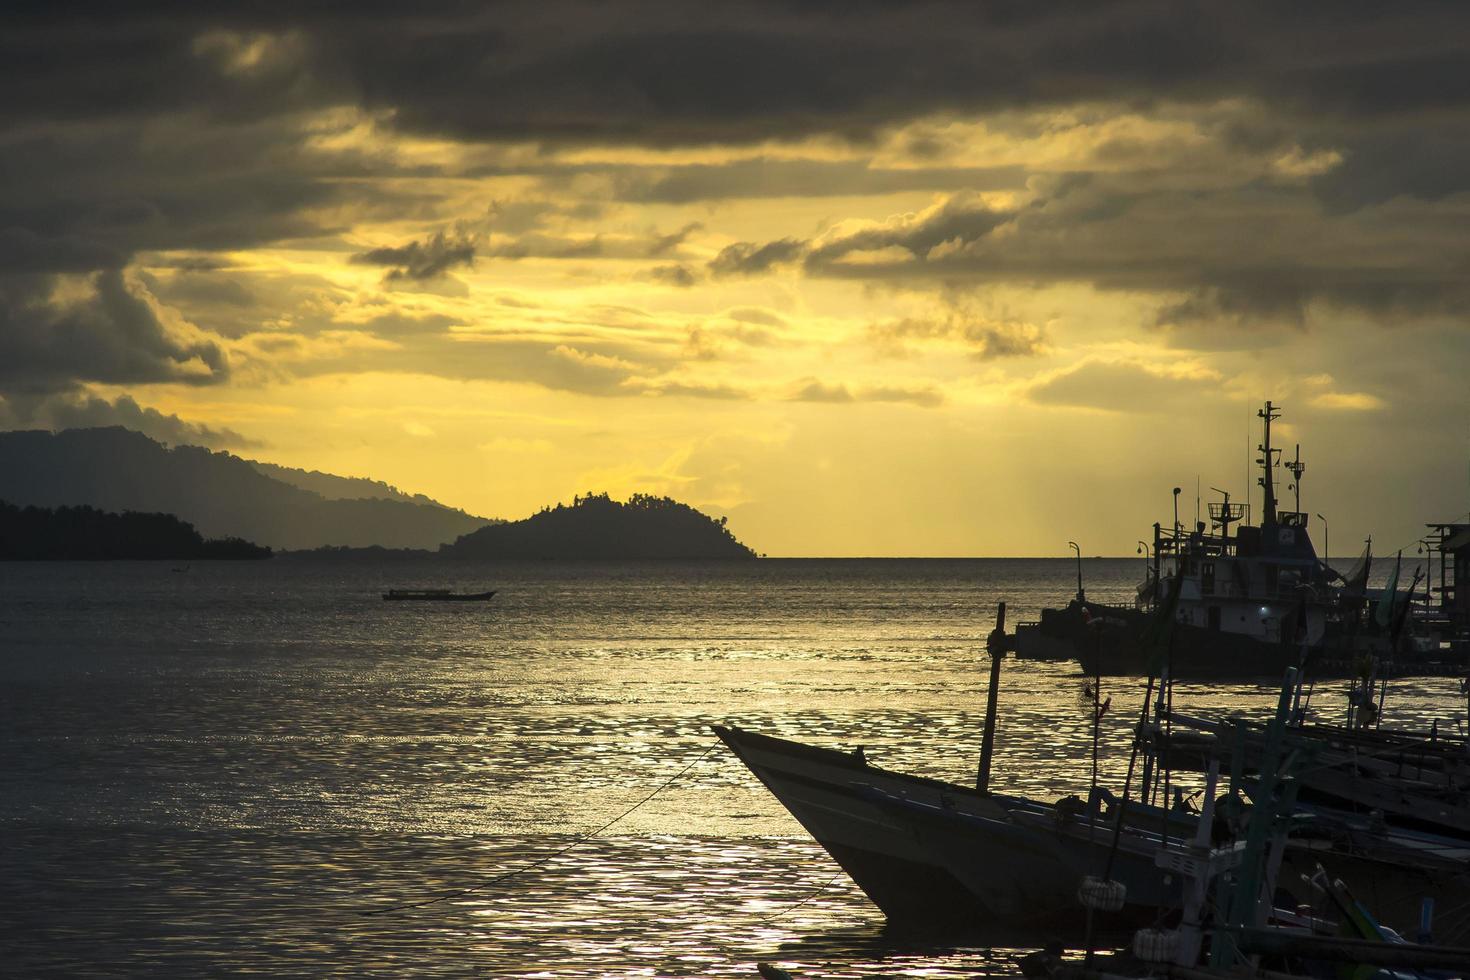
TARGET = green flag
x,y
1383,612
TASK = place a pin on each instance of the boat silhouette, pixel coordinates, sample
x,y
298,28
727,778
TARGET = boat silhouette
x,y
435,595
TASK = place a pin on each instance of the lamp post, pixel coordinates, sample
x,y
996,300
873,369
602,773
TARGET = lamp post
x,y
1176,511
1427,550
1148,571
1081,596
1326,548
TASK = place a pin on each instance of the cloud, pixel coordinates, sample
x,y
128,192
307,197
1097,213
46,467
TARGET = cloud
x,y
663,244
84,411
945,229
763,177
1123,386
748,258
421,261
814,390
984,339
399,324
102,328
678,276
689,389
1351,401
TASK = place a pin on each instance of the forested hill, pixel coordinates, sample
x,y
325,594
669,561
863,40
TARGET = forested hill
x,y
85,534
596,526
222,495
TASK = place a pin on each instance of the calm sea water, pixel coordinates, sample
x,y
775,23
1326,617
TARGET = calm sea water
x,y
222,770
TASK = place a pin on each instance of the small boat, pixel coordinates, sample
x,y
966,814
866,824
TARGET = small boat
x,y
435,595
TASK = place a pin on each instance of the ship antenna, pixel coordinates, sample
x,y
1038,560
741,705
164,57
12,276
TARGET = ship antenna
x,y
1266,462
1296,468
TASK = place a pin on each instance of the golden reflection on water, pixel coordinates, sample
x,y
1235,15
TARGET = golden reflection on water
x,y
221,775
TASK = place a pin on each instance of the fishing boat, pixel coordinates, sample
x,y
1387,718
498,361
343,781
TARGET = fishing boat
x,y
1253,599
941,856
435,595
1404,780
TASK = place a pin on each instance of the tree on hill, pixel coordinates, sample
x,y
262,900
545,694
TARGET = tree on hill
x,y
87,534
222,495
597,526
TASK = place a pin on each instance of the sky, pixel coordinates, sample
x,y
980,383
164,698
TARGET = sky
x,y
936,279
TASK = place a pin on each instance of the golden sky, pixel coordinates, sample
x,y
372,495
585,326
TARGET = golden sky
x,y
869,283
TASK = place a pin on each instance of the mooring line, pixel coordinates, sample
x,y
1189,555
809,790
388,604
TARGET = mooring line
x,y
792,908
460,893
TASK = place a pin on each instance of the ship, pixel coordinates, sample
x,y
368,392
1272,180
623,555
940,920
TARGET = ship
x,y
1250,600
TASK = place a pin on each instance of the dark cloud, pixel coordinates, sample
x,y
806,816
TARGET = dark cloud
x,y
663,244
674,275
962,220
748,258
110,334
662,71
986,339
186,131
422,260
1234,254
763,177
202,288
82,412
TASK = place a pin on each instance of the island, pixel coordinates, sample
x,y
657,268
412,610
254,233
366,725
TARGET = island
x,y
596,526
88,534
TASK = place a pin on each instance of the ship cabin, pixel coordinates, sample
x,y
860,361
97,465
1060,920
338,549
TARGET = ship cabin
x,y
1448,615
1264,581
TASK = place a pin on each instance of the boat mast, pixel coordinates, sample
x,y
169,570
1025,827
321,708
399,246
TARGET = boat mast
x,y
1296,468
1267,461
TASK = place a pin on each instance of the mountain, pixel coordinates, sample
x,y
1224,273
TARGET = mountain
x,y
220,494
335,487
87,534
596,526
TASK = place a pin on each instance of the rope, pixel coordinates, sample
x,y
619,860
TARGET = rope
x,y
406,906
792,908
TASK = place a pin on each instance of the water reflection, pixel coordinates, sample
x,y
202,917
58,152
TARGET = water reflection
x,y
220,773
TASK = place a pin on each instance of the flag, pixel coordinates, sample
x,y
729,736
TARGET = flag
x,y
1156,635
1383,612
1404,608
1357,577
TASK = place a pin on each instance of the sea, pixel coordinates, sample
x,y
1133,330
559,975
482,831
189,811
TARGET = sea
x,y
238,768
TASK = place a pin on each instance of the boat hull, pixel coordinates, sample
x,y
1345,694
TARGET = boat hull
x,y
943,857
1109,640
438,596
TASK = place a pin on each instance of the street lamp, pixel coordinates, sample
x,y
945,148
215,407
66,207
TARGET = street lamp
x,y
1081,597
1176,511
1427,550
1326,549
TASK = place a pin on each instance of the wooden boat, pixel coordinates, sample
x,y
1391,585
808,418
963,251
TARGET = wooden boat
x,y
940,856
1410,782
435,595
